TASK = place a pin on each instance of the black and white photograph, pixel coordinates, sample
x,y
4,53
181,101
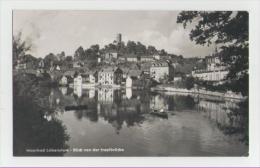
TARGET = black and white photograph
x,y
135,83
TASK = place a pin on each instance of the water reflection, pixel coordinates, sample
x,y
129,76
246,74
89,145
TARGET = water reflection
x,y
121,118
36,126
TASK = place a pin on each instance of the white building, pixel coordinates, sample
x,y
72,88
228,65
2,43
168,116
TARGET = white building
x,y
157,57
146,58
110,76
89,77
77,80
110,55
216,75
159,70
63,80
106,95
215,70
129,82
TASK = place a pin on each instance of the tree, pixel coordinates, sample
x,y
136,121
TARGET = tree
x,y
189,82
140,48
79,54
50,60
162,52
131,47
229,30
151,50
20,48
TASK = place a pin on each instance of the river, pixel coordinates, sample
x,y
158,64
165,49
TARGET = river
x,y
119,123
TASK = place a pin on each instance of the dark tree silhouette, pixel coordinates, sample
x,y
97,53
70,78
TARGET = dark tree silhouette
x,y
229,30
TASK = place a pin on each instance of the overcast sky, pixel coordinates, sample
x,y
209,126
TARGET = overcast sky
x,y
56,31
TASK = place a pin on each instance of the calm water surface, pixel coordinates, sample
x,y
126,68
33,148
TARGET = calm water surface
x,y
196,125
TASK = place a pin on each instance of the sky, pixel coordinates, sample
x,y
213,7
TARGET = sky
x,y
55,31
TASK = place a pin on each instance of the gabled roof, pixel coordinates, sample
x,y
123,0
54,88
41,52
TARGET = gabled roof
x,y
109,69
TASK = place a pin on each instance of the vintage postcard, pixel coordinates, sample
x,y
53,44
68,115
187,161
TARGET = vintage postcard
x,y
130,83
147,83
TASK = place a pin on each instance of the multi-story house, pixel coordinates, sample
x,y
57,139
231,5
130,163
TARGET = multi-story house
x,y
110,76
146,58
215,70
159,70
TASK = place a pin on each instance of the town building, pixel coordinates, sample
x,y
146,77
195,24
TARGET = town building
x,y
63,81
119,38
105,95
157,57
129,82
110,76
41,64
89,77
77,64
111,55
77,81
131,58
215,70
146,58
134,73
159,70
20,66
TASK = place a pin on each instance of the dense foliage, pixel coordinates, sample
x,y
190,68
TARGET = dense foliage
x,y
228,30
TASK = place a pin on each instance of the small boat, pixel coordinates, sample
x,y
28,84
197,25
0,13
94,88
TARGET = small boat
x,y
160,113
79,107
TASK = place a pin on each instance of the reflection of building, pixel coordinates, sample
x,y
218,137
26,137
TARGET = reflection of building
x,y
91,93
77,90
106,95
159,70
128,92
64,90
158,102
110,76
218,111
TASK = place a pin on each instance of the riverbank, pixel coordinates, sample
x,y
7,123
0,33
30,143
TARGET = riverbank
x,y
229,94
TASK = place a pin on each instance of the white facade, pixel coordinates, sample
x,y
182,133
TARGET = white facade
x,y
92,78
210,75
58,67
146,58
159,71
106,78
78,81
111,55
129,82
157,103
64,80
105,95
20,66
131,59
215,70
157,57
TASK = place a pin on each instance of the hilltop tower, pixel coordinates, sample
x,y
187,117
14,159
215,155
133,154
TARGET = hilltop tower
x,y
118,38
